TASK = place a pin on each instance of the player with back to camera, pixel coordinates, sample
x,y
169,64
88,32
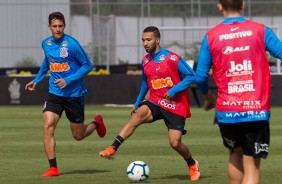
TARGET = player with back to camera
x,y
167,76
235,49
68,64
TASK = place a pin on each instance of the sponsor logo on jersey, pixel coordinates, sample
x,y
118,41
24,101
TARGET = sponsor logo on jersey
x,y
49,42
240,86
162,57
248,114
64,52
246,104
234,29
64,43
59,67
173,57
167,103
236,69
229,49
162,83
231,36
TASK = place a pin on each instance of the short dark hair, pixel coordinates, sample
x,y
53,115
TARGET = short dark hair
x,y
231,5
153,29
56,15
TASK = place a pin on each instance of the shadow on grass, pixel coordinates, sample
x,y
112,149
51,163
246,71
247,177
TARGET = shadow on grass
x,y
85,171
181,177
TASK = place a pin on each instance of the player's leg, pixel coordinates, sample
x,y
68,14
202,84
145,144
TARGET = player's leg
x,y
255,147
175,125
74,109
51,114
142,115
251,169
235,166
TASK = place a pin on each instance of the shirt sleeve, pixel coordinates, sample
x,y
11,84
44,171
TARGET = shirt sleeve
x,y
272,43
83,59
188,78
203,66
44,68
143,90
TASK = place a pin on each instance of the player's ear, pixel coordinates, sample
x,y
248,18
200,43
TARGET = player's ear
x,y
243,5
219,7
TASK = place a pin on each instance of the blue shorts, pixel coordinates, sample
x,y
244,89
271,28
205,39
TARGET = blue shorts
x,y
73,107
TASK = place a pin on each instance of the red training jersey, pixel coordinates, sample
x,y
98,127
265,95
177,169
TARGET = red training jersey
x,y
161,76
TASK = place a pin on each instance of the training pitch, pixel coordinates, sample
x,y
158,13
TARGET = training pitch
x,y
23,160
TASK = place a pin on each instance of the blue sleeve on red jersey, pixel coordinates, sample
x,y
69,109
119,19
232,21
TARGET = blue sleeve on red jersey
x,y
272,43
143,90
44,68
203,66
189,77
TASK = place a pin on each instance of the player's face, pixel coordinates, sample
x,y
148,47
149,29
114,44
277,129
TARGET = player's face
x,y
150,42
57,28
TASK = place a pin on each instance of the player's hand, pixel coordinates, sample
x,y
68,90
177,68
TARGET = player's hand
x,y
61,83
167,96
209,101
30,86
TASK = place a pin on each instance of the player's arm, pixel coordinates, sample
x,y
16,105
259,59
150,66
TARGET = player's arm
x,y
83,59
44,68
143,90
272,43
188,75
203,66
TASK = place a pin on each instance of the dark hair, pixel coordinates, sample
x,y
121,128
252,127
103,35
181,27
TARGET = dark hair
x,y
153,29
231,5
56,15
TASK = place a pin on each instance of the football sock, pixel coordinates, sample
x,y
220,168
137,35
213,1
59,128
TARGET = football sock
x,y
117,142
96,124
190,161
53,162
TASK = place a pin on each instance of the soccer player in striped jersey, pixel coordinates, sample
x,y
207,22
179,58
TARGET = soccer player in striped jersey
x,y
236,51
166,76
68,64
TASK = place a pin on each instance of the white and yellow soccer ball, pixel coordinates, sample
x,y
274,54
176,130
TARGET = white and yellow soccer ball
x,y
138,171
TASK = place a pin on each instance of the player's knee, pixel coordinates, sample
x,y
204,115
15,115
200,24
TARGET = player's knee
x,y
175,144
78,137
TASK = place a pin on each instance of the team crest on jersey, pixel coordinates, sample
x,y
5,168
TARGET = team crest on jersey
x,y
162,57
173,57
64,52
64,43
146,60
49,42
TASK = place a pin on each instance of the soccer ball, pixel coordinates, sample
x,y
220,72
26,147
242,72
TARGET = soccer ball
x,y
138,171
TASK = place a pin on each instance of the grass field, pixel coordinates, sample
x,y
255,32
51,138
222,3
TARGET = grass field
x,y
22,156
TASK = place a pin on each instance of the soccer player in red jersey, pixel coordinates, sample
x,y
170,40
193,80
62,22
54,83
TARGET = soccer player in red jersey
x,y
236,52
168,98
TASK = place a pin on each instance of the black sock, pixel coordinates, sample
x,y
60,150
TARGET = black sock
x,y
117,142
190,161
96,124
53,162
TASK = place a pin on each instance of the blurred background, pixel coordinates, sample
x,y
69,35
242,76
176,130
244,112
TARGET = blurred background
x,y
110,31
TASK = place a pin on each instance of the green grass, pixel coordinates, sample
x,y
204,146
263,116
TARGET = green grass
x,y
22,156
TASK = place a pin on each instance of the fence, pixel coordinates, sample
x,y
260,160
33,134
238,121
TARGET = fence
x,y
110,30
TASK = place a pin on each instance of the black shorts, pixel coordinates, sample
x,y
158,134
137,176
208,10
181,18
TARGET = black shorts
x,y
172,121
253,137
73,107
